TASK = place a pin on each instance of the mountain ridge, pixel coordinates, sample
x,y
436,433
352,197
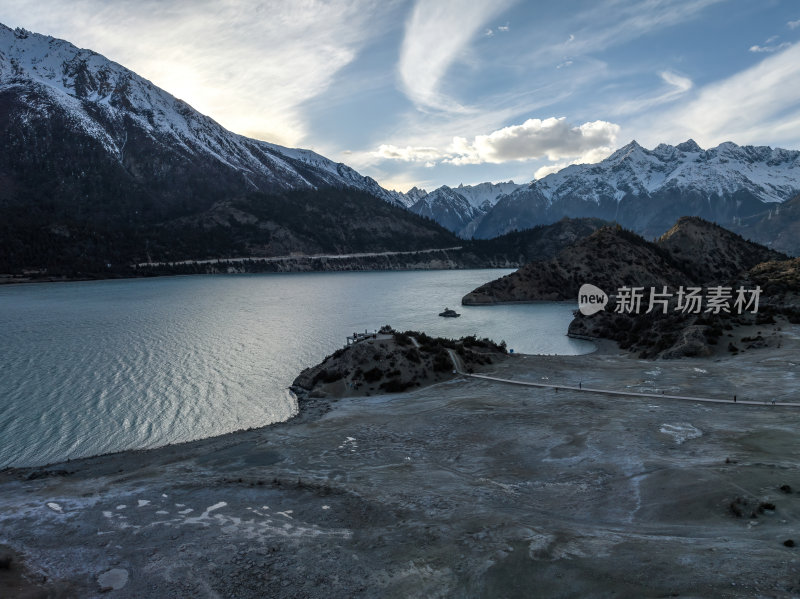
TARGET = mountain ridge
x,y
647,190
101,95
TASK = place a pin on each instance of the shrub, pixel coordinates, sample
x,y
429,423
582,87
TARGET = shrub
x,y
373,375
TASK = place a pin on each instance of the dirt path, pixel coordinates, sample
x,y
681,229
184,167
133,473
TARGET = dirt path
x,y
459,367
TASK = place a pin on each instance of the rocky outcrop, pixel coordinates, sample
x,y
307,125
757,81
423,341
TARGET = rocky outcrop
x,y
693,253
389,361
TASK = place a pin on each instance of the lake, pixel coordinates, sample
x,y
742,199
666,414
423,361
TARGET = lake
x,y
101,366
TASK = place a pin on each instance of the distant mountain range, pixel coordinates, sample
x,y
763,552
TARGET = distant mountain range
x,y
647,190
751,190
459,210
100,167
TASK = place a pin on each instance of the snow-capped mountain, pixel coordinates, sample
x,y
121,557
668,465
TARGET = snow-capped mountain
x,y
448,208
458,209
486,195
647,190
410,197
116,107
101,169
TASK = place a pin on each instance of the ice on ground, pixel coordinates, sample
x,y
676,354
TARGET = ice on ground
x,y
701,370
121,507
55,507
681,432
143,502
113,579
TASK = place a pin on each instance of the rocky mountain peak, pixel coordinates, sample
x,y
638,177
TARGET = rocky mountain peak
x,y
690,146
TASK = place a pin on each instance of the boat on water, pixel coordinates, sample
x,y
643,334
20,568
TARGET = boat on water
x,y
448,313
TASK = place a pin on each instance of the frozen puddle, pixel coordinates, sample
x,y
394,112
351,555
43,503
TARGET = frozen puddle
x,y
681,432
349,443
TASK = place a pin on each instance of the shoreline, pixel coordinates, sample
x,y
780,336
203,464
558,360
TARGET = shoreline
x,y
6,280
485,487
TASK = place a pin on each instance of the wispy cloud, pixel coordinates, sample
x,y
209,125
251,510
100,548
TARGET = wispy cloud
x,y
676,86
607,26
753,106
437,34
768,48
248,65
794,24
553,138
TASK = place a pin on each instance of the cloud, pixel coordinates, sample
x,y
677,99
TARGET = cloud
x,y
794,24
606,26
250,66
680,83
437,35
408,154
677,84
553,138
590,157
753,106
535,138
503,28
550,169
757,48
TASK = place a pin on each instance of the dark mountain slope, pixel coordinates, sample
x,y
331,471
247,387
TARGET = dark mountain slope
x,y
610,258
710,253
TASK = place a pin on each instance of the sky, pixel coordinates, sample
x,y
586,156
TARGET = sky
x,y
441,92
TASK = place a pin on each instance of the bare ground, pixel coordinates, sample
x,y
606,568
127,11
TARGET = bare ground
x,y
467,488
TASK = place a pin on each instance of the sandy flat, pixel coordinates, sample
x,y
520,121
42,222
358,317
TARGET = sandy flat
x,y
468,488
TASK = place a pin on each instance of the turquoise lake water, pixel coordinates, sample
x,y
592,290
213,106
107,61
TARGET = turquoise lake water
x,y
102,366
